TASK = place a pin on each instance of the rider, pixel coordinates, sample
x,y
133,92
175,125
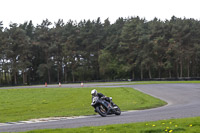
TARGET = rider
x,y
100,95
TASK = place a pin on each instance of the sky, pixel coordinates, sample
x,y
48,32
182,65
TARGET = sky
x,y
19,11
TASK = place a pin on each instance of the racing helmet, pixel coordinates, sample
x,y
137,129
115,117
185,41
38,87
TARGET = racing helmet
x,y
94,92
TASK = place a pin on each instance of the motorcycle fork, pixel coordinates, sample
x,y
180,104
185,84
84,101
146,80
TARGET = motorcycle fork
x,y
109,108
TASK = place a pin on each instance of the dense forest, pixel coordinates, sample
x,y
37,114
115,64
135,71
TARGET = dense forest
x,y
129,48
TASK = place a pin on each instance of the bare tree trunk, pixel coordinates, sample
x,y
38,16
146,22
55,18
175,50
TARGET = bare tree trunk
x,y
65,73
3,72
58,74
0,77
5,77
23,78
133,75
15,78
73,77
49,77
150,73
170,75
47,62
188,70
141,72
177,74
181,69
9,78
159,72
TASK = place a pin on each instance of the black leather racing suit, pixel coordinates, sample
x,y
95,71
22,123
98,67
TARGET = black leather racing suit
x,y
100,95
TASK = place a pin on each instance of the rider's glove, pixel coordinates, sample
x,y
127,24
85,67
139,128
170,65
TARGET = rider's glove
x,y
103,98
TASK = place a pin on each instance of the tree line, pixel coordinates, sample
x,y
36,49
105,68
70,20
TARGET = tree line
x,y
130,48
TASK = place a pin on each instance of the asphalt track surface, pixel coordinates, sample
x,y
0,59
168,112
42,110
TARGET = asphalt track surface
x,y
183,101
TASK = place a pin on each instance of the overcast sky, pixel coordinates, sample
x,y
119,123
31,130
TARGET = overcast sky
x,y
19,11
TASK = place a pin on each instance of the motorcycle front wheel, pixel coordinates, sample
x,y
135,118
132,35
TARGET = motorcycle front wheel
x,y
101,110
117,110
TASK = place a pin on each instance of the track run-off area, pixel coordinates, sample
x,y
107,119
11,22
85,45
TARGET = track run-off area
x,y
183,101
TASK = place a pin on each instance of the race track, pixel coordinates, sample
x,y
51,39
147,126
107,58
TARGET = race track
x,y
183,101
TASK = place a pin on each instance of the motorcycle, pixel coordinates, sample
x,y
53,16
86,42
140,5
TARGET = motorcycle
x,y
104,107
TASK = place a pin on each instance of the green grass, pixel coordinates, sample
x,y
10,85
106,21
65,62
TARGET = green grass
x,y
159,82
186,125
25,104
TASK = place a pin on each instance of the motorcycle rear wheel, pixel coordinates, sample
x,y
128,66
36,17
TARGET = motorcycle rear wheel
x,y
101,110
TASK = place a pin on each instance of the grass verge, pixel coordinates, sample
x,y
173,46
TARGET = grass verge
x,y
25,104
186,125
159,82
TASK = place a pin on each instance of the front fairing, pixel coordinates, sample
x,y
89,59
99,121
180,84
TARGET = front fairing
x,y
97,101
